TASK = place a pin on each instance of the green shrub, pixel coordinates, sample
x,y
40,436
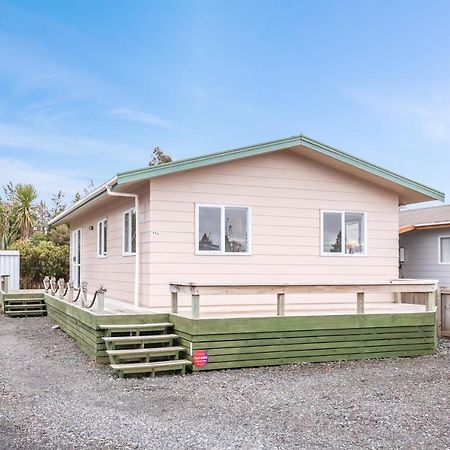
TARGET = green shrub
x,y
39,258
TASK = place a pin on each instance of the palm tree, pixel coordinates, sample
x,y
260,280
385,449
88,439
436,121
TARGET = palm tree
x,y
25,218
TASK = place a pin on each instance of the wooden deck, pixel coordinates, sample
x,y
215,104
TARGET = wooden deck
x,y
219,335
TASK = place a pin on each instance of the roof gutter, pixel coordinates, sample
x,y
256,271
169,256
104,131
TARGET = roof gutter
x,y
423,226
109,191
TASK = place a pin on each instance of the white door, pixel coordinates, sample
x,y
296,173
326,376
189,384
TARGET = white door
x,y
76,257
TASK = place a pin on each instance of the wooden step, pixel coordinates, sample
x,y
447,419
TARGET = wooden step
x,y
25,306
27,295
137,327
157,351
158,338
26,313
23,300
151,367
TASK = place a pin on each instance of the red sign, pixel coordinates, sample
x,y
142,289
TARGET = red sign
x,y
200,358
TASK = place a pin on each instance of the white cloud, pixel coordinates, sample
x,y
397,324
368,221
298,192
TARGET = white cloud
x,y
30,69
134,115
27,138
432,118
47,181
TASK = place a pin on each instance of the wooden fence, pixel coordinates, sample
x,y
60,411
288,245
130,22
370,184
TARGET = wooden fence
x,y
442,303
31,284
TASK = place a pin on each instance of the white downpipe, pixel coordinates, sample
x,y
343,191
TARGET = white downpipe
x,y
138,237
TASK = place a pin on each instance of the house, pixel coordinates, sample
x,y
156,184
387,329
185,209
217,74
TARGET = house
x,y
292,211
275,253
425,243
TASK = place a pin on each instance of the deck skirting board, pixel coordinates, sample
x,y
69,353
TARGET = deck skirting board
x,y
278,340
89,340
265,341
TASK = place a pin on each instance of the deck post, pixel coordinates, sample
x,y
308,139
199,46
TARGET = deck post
x,y
280,304
195,306
5,283
360,303
397,297
70,291
174,303
101,300
53,283
83,296
46,283
431,301
61,285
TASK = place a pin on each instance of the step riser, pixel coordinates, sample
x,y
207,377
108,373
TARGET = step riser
x,y
117,359
152,357
22,307
21,300
25,313
32,306
152,373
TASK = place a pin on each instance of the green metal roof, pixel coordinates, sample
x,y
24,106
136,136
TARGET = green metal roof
x,y
272,146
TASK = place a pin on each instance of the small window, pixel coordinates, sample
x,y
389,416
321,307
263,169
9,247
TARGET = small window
x,y
102,238
129,232
223,230
343,233
444,250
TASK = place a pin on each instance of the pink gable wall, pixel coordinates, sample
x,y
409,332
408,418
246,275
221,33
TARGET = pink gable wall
x,y
286,193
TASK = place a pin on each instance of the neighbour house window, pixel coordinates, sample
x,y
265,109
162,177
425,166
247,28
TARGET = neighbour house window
x,y
102,238
444,250
129,232
343,233
223,229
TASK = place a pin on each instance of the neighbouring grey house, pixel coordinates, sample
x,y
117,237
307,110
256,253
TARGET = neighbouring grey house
x,y
425,243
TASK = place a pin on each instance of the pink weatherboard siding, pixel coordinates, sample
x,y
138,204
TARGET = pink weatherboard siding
x,y
115,271
286,193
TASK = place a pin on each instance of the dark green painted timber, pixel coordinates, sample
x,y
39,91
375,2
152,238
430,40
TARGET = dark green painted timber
x,y
265,341
262,341
23,304
84,326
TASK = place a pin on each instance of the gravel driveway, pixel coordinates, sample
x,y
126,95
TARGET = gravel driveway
x,y
52,396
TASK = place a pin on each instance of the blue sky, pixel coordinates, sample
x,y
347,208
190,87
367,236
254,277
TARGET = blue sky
x,y
88,89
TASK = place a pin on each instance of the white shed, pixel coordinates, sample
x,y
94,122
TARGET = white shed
x,y
10,265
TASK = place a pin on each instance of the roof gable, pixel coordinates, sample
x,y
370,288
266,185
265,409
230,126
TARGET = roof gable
x,y
409,191
283,144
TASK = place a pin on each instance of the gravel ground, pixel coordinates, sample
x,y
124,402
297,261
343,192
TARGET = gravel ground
x,y
52,396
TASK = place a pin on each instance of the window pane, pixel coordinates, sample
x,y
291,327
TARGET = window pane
x,y
354,233
105,231
78,246
445,250
126,234
100,233
209,229
133,231
236,230
332,233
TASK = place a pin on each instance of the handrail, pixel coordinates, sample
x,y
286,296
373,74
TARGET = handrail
x,y
67,290
396,286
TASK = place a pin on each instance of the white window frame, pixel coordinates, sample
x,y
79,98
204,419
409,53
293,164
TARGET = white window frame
x,y
342,252
440,250
222,251
103,253
127,238
77,283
